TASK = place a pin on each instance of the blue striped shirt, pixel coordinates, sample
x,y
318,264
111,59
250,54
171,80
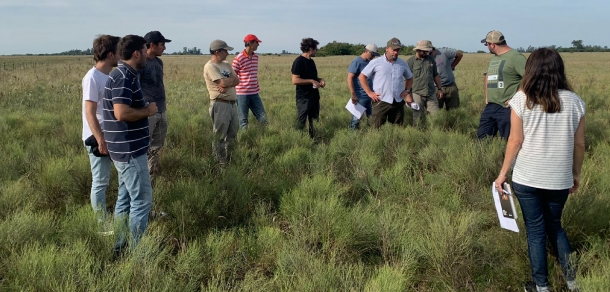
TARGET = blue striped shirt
x,y
124,139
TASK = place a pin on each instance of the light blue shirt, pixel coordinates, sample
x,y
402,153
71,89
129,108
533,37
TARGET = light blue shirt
x,y
388,77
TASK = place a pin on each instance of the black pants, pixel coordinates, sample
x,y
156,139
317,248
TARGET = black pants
x,y
307,110
383,112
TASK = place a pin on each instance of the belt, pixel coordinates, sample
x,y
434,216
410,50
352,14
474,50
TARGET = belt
x,y
224,100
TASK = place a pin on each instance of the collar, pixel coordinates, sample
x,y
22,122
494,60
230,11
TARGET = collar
x,y
246,54
129,68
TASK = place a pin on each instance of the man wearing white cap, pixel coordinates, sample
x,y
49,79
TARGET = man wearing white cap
x,y
221,81
502,80
353,83
245,66
427,89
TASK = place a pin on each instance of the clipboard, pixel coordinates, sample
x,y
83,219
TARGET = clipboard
x,y
509,205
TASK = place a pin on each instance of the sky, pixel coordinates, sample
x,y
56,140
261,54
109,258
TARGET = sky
x,y
53,26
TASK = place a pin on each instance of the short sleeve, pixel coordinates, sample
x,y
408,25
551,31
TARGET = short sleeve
x,y
407,71
90,91
353,67
297,67
368,69
236,64
519,63
212,72
450,53
121,92
517,103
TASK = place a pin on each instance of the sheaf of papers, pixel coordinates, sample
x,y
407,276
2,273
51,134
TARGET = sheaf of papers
x,y
355,109
506,223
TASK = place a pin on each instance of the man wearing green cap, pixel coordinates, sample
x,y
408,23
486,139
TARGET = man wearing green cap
x,y
392,80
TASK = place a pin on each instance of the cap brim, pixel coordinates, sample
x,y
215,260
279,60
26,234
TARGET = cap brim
x,y
167,41
483,41
395,47
423,49
228,48
375,54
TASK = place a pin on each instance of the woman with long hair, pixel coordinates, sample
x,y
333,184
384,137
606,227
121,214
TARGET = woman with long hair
x,y
547,146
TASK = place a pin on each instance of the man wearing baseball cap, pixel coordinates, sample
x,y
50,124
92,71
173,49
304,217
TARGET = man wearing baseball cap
x,y
427,89
392,81
221,81
353,83
151,80
501,83
245,66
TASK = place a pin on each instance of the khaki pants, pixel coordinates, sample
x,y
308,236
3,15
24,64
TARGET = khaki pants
x,y
451,97
226,124
157,127
427,104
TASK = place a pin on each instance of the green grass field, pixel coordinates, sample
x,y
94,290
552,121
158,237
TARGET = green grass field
x,y
395,209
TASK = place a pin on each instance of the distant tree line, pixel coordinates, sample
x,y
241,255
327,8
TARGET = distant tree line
x,y
187,51
577,46
335,48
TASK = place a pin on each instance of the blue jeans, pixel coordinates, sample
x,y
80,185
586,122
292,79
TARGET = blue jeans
x,y
542,215
134,200
100,179
247,102
493,119
367,103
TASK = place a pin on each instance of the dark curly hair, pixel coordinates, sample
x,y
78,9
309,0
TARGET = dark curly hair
x,y
308,43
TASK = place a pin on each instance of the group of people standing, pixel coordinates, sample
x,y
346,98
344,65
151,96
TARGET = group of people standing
x,y
528,101
125,124
425,82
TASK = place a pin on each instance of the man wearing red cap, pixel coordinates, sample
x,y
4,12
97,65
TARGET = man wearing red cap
x,y
246,66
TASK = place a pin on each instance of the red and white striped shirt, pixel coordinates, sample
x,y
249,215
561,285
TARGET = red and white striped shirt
x,y
246,68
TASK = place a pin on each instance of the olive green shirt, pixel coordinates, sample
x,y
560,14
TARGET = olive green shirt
x,y
424,71
504,76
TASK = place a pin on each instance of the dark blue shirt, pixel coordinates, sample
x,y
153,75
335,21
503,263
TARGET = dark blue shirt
x,y
124,139
355,68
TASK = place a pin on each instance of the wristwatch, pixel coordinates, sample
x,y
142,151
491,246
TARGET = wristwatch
x,y
408,91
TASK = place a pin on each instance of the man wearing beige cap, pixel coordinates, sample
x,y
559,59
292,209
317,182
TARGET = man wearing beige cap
x,y
353,83
392,80
426,82
501,83
221,81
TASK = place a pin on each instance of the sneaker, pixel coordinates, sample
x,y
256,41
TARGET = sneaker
x,y
572,286
154,215
532,287
106,228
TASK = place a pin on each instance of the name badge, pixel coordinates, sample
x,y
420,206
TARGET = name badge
x,y
492,77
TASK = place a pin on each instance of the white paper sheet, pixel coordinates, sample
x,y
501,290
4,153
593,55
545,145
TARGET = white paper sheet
x,y
355,109
506,223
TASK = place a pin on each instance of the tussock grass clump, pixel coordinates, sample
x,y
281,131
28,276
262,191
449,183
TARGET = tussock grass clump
x,y
399,208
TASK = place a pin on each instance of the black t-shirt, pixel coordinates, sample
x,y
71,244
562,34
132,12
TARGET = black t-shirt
x,y
306,69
